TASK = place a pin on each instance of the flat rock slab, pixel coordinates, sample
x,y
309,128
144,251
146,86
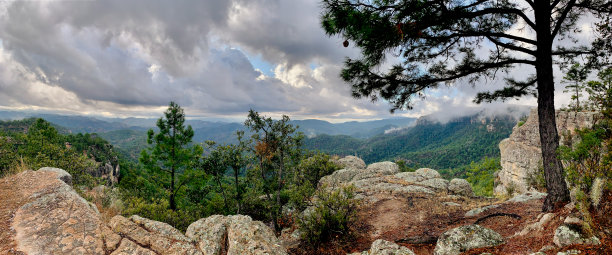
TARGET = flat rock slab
x,y
56,220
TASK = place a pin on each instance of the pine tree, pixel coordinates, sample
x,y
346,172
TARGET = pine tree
x,y
575,76
171,156
437,43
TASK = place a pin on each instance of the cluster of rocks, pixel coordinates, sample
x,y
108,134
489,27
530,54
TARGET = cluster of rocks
x,y
56,220
385,177
451,242
521,153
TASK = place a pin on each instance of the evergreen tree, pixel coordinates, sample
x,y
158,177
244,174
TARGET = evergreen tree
x,y
277,148
171,156
575,76
437,40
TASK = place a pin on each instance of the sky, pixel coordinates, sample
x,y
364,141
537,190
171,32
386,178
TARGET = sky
x,y
217,59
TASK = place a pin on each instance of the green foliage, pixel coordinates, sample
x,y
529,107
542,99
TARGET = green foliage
x,y
449,147
277,151
481,175
331,216
158,210
403,167
536,179
309,171
171,160
575,77
584,161
130,142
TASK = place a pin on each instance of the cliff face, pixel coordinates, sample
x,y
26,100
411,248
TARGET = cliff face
x,y
521,154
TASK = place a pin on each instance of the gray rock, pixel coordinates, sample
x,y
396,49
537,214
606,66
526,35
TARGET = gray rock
x,y
437,184
411,177
338,177
479,210
351,162
565,236
521,155
458,240
154,235
527,196
427,173
243,235
61,174
537,226
383,247
56,220
569,252
385,168
460,187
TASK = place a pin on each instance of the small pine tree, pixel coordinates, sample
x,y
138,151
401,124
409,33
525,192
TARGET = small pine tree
x,y
575,77
171,154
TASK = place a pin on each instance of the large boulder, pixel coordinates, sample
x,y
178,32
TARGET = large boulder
x,y
565,236
351,162
427,173
460,187
157,236
383,247
56,220
458,240
521,154
51,218
235,234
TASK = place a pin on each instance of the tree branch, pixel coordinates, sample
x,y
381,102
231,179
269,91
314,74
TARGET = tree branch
x,y
511,46
566,10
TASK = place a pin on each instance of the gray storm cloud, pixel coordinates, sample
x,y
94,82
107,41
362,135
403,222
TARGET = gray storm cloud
x,y
118,57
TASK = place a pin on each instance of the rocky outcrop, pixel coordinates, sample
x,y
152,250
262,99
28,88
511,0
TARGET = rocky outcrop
x,y
565,235
234,235
56,220
458,240
383,247
521,155
384,177
351,162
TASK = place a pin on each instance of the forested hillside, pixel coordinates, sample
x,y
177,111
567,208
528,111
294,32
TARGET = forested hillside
x,y
447,146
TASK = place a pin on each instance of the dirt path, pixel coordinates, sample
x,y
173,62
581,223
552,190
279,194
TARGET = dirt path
x,y
15,191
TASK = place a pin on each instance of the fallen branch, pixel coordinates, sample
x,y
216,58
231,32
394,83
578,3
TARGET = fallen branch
x,y
418,240
516,216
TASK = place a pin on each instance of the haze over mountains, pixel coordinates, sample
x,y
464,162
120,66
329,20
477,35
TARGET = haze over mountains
x,y
440,141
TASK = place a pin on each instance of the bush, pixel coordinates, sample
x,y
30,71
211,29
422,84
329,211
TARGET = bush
x,y
330,217
536,179
158,210
480,176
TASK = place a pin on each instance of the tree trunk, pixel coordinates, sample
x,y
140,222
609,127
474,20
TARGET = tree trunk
x,y
549,138
237,184
279,208
172,202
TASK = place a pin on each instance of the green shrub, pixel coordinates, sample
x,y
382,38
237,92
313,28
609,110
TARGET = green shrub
x,y
330,216
536,179
158,210
480,175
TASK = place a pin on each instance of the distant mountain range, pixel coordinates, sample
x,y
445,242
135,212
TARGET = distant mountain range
x,y
129,134
423,142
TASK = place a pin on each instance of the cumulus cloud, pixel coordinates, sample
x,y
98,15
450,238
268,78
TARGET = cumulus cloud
x,y
122,58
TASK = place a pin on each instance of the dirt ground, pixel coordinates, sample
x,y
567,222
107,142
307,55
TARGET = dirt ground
x,y
417,221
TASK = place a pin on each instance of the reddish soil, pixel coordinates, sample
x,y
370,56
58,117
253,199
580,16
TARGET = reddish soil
x,y
416,222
